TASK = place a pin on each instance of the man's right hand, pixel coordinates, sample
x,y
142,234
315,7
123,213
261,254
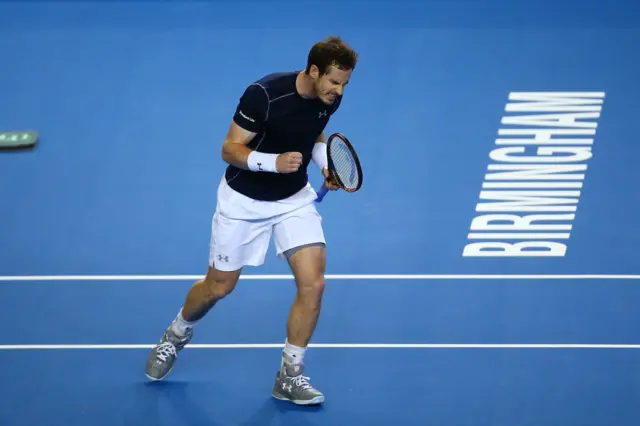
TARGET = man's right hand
x,y
289,162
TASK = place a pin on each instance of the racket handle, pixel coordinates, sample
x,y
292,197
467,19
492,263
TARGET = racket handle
x,y
322,191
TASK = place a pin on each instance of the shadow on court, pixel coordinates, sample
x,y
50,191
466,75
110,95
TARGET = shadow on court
x,y
180,402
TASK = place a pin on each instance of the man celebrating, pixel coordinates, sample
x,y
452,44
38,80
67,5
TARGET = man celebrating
x,y
276,131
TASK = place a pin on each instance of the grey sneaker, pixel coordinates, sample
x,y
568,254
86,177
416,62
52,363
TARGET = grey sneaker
x,y
292,386
163,356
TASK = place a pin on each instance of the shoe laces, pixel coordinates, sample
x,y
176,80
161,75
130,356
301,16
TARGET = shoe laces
x,y
301,381
165,350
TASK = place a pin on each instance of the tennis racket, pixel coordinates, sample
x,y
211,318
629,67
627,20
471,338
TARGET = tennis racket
x,y
344,166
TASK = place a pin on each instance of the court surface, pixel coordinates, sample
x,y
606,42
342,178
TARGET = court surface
x,y
105,225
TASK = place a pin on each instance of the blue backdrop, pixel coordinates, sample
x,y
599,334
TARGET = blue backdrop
x,y
132,101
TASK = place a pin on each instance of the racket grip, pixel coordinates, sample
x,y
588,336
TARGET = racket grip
x,y
322,191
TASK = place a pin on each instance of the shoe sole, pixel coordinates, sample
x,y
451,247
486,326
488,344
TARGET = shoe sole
x,y
314,401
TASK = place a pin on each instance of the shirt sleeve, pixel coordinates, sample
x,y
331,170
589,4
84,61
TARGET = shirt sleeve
x,y
251,112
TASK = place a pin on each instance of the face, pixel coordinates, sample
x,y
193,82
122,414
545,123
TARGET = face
x,y
330,85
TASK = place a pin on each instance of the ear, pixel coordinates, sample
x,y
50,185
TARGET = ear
x,y
314,72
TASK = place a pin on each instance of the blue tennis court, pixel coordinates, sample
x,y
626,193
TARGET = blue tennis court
x,y
485,274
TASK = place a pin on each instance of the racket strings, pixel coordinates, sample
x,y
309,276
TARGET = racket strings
x,y
344,164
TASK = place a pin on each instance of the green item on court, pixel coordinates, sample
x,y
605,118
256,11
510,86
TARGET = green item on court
x,y
18,139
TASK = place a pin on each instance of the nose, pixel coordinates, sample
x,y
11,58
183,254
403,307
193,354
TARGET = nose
x,y
339,90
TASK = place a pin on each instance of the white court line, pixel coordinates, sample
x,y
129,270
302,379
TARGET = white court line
x,y
329,277
335,346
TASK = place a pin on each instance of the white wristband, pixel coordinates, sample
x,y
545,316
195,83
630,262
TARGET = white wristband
x,y
319,155
261,162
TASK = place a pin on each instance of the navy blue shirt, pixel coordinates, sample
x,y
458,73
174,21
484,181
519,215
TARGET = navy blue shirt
x,y
284,122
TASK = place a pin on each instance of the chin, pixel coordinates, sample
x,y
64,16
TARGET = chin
x,y
328,100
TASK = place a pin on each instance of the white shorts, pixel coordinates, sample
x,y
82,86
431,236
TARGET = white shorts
x,y
238,241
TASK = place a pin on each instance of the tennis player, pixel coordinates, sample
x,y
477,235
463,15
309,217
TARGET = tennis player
x,y
276,131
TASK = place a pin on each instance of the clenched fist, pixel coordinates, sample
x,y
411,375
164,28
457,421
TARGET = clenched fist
x,y
289,162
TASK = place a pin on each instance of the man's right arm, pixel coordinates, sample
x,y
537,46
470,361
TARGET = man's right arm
x,y
250,116
234,149
248,119
236,152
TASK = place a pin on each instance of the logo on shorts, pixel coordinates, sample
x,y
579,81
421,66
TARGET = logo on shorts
x,y
222,258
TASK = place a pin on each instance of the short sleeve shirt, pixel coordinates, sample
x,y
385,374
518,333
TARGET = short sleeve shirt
x,y
283,122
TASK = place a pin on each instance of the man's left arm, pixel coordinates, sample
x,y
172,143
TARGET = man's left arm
x,y
319,154
319,157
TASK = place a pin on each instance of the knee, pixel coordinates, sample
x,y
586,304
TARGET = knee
x,y
217,289
219,285
312,289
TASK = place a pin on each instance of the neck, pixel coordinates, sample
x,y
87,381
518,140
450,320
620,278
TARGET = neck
x,y
304,86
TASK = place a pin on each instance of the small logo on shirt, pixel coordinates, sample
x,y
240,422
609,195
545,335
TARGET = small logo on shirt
x,y
246,117
322,114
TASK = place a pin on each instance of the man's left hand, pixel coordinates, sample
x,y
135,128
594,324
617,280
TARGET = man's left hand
x,y
328,181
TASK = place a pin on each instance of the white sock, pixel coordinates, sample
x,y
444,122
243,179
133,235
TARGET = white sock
x,y
292,354
180,326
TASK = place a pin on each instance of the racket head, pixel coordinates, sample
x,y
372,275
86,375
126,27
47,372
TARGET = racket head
x,y
344,164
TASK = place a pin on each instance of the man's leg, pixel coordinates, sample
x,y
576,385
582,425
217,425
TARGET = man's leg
x,y
234,244
308,266
205,294
300,239
202,296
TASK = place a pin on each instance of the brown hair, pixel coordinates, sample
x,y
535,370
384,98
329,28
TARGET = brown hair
x,y
331,51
